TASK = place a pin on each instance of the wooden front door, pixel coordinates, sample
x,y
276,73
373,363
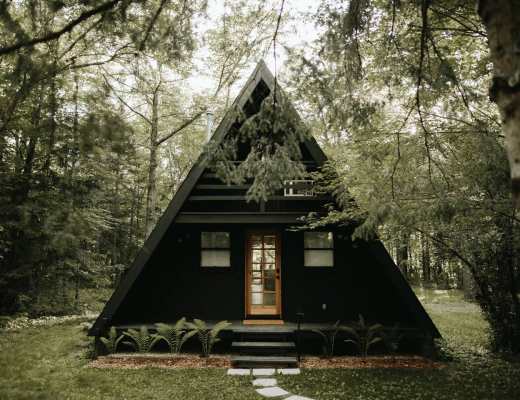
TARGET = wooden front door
x,y
263,288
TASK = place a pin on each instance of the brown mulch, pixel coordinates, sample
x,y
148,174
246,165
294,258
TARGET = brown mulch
x,y
161,361
369,362
135,361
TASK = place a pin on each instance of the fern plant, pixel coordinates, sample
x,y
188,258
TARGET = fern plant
x,y
142,341
329,338
112,340
175,335
364,336
392,339
207,336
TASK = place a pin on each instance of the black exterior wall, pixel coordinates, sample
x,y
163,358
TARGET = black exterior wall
x,y
173,284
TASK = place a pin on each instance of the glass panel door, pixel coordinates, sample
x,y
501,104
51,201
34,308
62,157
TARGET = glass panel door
x,y
263,274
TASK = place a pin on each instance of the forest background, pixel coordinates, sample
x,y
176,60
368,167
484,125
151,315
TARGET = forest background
x,y
103,107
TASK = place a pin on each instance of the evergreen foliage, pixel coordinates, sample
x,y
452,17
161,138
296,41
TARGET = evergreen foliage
x,y
274,135
399,95
81,186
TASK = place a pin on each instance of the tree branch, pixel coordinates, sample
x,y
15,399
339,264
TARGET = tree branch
x,y
67,28
151,24
183,126
125,103
80,37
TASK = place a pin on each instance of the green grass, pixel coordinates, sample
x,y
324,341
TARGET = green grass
x,y
50,363
474,374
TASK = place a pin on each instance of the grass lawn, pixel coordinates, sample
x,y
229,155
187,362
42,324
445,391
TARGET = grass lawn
x,y
49,363
474,374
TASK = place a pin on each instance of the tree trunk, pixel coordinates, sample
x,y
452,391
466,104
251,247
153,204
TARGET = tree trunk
x,y
502,21
402,253
53,104
425,259
151,188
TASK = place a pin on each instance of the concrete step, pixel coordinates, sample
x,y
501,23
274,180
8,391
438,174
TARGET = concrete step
x,y
266,329
264,345
264,361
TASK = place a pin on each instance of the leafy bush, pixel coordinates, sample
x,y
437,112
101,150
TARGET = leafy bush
x,y
364,336
329,339
112,340
141,341
207,337
175,335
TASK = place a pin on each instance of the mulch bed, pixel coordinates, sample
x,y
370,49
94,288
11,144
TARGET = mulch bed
x,y
369,362
135,361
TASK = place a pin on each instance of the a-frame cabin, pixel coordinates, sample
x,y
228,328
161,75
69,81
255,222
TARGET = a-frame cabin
x,y
214,256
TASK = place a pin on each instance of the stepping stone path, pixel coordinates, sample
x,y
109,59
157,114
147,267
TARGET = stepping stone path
x,y
265,382
268,386
238,371
263,371
274,391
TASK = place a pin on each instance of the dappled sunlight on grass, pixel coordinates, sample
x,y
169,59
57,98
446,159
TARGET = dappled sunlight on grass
x,y
460,322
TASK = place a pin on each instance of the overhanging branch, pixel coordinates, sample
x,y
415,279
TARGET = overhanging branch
x,y
67,28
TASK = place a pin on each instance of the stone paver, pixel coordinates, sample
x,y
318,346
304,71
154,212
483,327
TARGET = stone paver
x,y
289,371
272,392
238,371
263,371
296,397
264,382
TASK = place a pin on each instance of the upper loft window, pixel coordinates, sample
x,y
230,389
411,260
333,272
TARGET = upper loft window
x,y
318,249
298,187
215,249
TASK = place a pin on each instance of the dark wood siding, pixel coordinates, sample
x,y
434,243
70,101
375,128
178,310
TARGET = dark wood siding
x,y
173,284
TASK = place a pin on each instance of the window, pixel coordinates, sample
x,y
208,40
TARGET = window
x,y
318,249
215,249
300,187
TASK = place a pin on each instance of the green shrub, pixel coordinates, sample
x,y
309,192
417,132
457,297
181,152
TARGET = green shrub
x,y
329,339
142,341
207,337
112,340
364,336
174,335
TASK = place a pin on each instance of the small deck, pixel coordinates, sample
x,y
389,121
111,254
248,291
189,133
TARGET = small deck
x,y
238,326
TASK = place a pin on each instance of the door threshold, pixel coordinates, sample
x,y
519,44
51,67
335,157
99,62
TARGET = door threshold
x,y
263,322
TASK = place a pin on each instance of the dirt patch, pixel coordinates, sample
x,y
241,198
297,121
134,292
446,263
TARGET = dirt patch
x,y
369,362
161,361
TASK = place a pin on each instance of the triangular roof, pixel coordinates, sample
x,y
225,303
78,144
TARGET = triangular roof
x,y
260,73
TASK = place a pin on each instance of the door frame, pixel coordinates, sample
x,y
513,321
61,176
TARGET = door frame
x,y
278,274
